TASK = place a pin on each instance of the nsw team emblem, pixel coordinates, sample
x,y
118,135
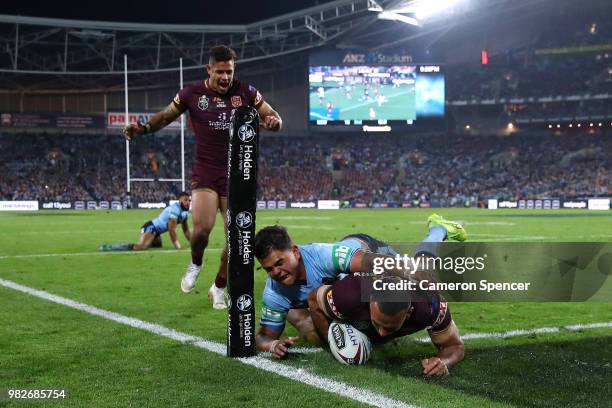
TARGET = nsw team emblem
x,y
203,102
244,302
236,101
244,219
246,133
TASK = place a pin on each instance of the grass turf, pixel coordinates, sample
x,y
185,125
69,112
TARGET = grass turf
x,y
106,364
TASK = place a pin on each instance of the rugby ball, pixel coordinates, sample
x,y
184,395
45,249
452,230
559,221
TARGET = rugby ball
x,y
347,344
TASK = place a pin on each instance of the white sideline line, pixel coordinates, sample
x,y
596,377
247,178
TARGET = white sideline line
x,y
292,373
103,253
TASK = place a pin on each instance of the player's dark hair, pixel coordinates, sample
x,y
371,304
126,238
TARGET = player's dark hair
x,y
391,302
183,194
221,53
272,238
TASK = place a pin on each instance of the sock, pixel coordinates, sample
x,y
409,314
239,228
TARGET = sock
x,y
197,259
431,244
220,282
122,247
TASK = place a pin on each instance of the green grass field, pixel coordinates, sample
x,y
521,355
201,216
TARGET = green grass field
x,y
106,364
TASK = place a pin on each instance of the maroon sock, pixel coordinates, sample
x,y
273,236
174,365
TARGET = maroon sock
x,y
197,259
220,281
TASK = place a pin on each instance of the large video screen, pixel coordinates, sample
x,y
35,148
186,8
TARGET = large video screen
x,y
354,94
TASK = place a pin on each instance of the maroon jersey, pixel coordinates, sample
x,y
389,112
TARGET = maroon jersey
x,y
343,301
210,114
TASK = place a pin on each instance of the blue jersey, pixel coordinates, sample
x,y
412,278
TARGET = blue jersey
x,y
172,212
320,261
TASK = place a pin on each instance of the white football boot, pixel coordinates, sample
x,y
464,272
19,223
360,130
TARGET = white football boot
x,y
217,296
190,277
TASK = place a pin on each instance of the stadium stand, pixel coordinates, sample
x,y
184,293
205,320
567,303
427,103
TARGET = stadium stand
x,y
448,169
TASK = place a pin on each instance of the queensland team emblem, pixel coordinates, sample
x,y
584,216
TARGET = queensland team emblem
x,y
246,133
244,302
244,219
203,102
236,101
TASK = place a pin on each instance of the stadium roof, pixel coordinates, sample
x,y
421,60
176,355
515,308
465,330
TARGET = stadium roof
x,y
43,52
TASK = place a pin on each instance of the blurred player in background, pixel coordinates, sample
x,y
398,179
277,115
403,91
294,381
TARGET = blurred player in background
x,y
150,232
295,271
210,103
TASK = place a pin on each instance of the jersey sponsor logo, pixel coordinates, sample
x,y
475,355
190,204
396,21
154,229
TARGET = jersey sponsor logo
x,y
220,103
443,308
244,302
341,254
246,133
332,305
244,219
203,102
236,101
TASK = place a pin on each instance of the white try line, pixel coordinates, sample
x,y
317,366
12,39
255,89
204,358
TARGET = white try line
x,y
266,364
525,332
105,253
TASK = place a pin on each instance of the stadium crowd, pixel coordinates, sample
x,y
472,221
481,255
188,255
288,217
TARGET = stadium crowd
x,y
362,169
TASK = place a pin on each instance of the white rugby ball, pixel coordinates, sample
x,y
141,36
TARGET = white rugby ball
x,y
347,344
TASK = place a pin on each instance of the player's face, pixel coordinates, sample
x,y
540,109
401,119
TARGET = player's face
x,y
283,266
185,202
220,75
386,324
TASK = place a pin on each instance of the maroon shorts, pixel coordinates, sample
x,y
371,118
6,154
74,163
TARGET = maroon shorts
x,y
209,177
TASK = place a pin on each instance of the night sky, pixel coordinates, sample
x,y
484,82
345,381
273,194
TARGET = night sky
x,y
156,11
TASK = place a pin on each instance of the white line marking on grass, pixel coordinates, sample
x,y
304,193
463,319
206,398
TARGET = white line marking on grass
x,y
292,373
515,333
104,253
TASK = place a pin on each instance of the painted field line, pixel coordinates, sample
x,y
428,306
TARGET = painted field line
x,y
266,364
525,332
105,253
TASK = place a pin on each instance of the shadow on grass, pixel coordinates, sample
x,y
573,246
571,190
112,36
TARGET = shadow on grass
x,y
552,374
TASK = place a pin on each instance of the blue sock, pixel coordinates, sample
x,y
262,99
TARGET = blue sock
x,y
431,244
122,247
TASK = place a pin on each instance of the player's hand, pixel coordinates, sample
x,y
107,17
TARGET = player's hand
x,y
177,244
271,122
132,130
434,366
280,347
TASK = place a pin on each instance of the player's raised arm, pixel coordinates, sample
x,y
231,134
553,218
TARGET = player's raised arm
x,y
271,120
158,121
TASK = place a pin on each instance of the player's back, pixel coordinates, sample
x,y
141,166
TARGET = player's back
x,y
173,211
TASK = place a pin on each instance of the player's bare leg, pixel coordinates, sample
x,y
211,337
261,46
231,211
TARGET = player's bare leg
x,y
146,239
204,204
215,293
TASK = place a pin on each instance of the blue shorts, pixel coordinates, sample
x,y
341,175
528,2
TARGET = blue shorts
x,y
150,228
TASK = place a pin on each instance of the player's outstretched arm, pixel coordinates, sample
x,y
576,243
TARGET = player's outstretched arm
x,y
158,121
450,351
271,118
268,340
172,232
